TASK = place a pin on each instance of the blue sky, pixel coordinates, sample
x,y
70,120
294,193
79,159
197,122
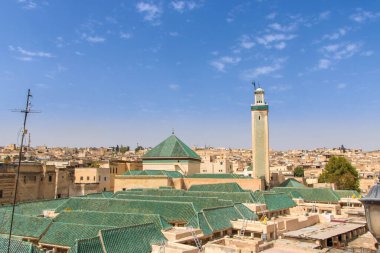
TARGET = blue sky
x,y
110,72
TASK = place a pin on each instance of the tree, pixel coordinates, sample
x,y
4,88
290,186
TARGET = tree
x,y
340,172
124,149
139,148
299,171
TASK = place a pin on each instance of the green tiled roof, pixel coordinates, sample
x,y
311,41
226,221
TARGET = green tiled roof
x,y
35,208
111,219
173,212
172,147
99,195
346,193
65,234
198,202
225,175
324,195
136,239
17,246
236,197
24,226
89,245
274,201
225,187
211,220
170,174
291,182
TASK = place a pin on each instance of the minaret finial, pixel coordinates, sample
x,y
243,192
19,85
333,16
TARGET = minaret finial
x,y
254,84
173,131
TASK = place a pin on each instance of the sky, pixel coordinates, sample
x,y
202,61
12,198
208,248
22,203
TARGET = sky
x,y
125,72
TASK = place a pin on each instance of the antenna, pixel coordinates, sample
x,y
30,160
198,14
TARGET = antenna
x,y
25,111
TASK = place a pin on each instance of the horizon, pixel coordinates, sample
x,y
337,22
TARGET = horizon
x,y
127,73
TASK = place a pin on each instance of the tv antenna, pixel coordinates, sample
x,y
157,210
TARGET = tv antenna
x,y
25,111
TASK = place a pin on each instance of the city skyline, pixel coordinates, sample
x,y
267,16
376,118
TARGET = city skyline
x,y
107,74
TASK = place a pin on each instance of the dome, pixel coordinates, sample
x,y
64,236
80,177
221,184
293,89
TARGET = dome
x,y
259,90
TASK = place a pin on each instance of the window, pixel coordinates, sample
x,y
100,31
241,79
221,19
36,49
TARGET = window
x,y
259,117
88,178
50,178
35,179
81,178
104,189
1,194
116,170
99,178
105,178
94,178
124,189
24,179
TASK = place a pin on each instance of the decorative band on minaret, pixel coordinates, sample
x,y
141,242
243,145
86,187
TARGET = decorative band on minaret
x,y
260,137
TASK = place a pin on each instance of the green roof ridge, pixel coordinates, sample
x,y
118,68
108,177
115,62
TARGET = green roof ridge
x,y
172,147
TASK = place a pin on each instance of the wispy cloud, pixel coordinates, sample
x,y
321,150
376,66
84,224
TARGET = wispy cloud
x,y
333,53
182,5
367,53
173,86
28,4
341,86
246,42
251,74
221,63
125,35
337,34
152,12
271,15
276,40
27,55
283,28
324,64
93,38
340,51
324,15
362,16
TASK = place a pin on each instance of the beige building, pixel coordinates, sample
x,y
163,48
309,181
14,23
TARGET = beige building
x,y
92,180
172,155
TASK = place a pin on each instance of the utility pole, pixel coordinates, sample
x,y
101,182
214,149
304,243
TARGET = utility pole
x,y
25,111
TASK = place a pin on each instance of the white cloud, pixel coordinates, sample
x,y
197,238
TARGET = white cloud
x,y
324,15
251,74
26,55
341,86
280,45
336,35
28,4
246,42
151,12
324,64
340,51
173,86
173,34
79,53
182,6
283,28
367,53
274,40
93,39
362,16
271,15
125,36
222,62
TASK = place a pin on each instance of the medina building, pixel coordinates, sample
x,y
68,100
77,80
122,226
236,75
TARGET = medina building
x,y
172,155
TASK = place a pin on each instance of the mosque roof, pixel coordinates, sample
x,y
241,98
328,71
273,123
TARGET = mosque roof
x,y
172,147
291,182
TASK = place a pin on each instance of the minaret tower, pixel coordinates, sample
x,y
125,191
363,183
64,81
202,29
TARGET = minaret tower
x,y
260,137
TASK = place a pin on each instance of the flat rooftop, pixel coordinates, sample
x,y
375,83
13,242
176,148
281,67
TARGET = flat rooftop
x,y
323,231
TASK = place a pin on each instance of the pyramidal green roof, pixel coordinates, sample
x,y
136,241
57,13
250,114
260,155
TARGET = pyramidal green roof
x,y
172,147
291,182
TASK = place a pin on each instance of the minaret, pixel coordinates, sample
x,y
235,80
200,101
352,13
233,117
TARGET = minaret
x,y
260,137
